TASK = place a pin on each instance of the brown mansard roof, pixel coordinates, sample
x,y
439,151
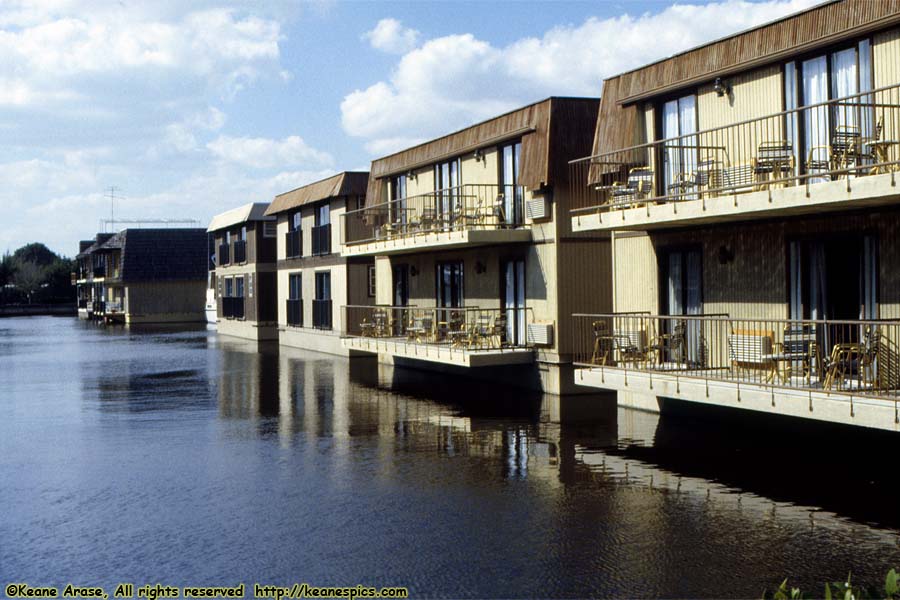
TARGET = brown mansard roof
x,y
807,30
553,131
348,183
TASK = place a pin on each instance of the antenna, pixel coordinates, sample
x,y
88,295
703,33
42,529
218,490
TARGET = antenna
x,y
112,205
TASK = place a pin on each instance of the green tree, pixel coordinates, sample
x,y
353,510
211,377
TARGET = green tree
x,y
28,279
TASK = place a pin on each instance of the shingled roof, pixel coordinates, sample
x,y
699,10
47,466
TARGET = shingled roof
x,y
348,183
101,239
174,254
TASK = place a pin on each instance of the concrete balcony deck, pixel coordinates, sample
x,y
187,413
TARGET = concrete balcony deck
x,y
862,409
846,194
444,353
437,240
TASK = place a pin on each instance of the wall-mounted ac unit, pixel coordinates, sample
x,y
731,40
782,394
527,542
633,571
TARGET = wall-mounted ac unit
x,y
540,334
537,208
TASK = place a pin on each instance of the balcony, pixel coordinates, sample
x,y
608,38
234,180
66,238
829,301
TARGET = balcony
x,y
467,337
837,371
240,252
233,307
294,313
321,240
322,314
293,243
463,216
837,155
99,272
224,255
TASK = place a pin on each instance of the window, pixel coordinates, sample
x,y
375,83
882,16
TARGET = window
x,y
449,285
229,287
370,273
446,183
295,300
322,302
512,299
239,287
401,285
270,229
681,276
323,215
842,73
678,119
293,238
398,199
321,232
509,179
295,286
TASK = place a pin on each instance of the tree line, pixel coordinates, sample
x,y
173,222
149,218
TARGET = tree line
x,y
34,274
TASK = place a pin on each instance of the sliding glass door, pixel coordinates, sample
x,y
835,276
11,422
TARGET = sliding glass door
x,y
680,154
513,300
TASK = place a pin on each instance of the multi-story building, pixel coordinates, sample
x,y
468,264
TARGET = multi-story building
x,y
144,276
86,265
314,280
750,186
476,261
244,280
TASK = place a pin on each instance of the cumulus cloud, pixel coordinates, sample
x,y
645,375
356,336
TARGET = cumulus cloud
x,y
261,153
389,35
455,80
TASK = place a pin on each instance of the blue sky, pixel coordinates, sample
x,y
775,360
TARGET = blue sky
x,y
191,108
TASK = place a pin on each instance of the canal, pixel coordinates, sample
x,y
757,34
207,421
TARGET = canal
x,y
175,457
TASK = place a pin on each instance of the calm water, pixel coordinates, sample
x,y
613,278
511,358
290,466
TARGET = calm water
x,y
175,457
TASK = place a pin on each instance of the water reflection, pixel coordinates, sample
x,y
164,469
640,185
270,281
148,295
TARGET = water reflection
x,y
183,457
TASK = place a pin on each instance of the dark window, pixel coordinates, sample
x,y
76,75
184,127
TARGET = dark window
x,y
321,231
295,300
449,288
322,303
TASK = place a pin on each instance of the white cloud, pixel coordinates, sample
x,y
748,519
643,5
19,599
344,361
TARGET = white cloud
x,y
260,153
389,35
54,51
452,81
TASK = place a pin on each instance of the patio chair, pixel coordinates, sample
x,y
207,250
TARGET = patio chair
x,y
859,359
773,160
421,328
798,348
637,187
750,351
602,343
428,220
630,347
481,332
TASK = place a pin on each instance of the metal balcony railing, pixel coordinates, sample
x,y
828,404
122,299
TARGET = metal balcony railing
x,y
321,314
321,240
294,313
466,328
854,357
293,242
845,138
462,208
224,255
240,251
233,307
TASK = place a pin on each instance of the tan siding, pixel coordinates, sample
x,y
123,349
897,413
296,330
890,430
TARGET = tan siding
x,y
636,287
818,27
886,58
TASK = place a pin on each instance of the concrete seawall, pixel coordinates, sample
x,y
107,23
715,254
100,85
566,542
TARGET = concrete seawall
x,y
33,310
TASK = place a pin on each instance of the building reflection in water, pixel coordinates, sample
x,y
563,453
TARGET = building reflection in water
x,y
332,401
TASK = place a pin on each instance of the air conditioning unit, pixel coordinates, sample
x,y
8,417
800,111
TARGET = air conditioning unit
x,y
537,208
540,334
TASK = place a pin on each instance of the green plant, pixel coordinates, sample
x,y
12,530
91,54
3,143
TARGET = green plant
x,y
844,590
